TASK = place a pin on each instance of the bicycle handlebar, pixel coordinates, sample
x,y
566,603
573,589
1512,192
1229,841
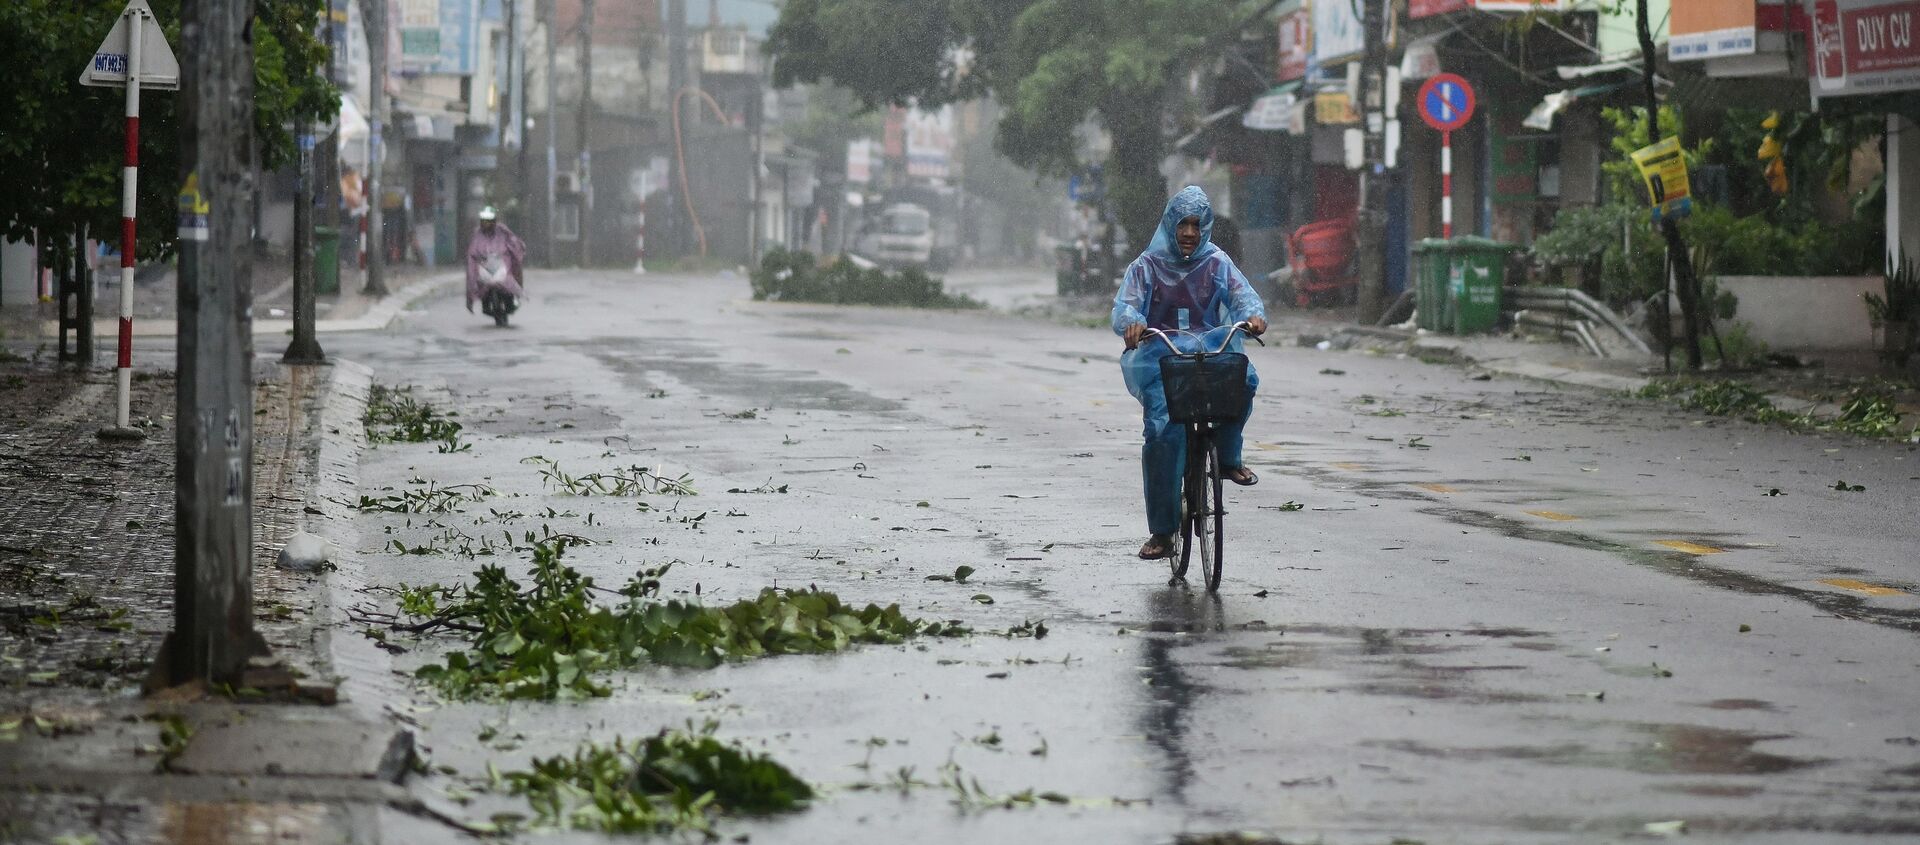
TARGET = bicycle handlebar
x,y
1238,328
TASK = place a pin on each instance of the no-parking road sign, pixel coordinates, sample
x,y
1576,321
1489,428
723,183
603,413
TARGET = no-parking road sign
x,y
1446,102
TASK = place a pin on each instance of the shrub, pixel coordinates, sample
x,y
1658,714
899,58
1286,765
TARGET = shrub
x,y
785,276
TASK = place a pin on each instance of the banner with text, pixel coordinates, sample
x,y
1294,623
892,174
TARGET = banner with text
x,y
1864,46
1710,29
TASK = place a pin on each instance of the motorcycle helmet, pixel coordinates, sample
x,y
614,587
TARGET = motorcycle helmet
x,y
487,214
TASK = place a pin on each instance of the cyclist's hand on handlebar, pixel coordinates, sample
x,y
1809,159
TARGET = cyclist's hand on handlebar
x,y
1135,333
1256,326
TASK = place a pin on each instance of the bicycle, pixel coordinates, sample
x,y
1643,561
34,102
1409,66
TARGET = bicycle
x,y
1203,389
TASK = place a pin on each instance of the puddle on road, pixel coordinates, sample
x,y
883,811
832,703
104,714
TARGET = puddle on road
x,y
1654,749
1741,704
244,823
1390,660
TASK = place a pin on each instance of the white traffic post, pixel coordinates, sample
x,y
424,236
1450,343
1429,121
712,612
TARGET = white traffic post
x,y
1446,184
131,177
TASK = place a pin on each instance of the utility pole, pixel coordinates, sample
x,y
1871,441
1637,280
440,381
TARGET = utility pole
x,y
305,348
327,187
1374,183
511,126
583,127
376,147
521,78
552,119
1679,260
213,636
676,82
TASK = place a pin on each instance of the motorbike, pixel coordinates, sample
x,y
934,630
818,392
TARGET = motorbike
x,y
496,298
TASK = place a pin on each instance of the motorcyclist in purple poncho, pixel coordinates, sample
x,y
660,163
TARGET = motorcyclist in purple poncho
x,y
494,258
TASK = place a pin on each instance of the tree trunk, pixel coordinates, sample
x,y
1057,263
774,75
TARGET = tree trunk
x,y
1135,188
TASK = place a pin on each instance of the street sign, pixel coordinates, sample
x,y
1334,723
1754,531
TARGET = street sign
x,y
108,67
1446,102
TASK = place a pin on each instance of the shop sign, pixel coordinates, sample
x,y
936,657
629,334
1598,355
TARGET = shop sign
x,y
1663,167
436,36
1710,29
1334,108
1417,9
1337,34
1270,112
863,158
1524,5
1296,45
1864,46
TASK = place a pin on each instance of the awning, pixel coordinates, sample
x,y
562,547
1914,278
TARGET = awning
x,y
1584,71
1541,118
1205,124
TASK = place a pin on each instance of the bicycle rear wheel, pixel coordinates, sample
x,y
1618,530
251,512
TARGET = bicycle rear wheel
x,y
1213,523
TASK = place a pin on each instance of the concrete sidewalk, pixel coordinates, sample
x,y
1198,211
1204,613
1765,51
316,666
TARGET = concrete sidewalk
x,y
87,594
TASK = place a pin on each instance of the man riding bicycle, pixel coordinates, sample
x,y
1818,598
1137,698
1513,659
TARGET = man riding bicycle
x,y
1181,283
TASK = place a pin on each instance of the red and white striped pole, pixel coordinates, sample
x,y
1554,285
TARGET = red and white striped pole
x,y
1446,184
131,177
640,242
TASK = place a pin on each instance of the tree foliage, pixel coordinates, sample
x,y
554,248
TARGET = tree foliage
x,y
63,144
1051,64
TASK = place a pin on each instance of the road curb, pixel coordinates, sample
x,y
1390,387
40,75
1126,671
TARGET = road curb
x,y
1456,351
356,663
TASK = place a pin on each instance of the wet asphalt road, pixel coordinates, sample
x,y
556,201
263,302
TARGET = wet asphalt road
x,y
1507,612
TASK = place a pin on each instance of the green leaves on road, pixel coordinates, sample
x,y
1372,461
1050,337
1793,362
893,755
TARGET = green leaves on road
x,y
552,638
674,780
1867,411
395,415
959,576
631,481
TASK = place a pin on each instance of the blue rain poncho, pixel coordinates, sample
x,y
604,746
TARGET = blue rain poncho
x,y
1203,293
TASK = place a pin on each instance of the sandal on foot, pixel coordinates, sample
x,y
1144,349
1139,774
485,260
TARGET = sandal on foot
x,y
1157,547
1241,476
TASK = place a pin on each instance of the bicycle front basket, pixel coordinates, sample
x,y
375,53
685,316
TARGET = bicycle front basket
x,y
1210,389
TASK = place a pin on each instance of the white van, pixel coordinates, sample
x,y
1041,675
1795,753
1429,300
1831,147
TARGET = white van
x,y
900,236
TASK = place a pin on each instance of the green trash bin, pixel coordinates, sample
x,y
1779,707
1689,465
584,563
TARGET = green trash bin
x,y
1477,272
326,259
1431,260
1460,281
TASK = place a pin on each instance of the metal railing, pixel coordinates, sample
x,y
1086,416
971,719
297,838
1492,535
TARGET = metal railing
x,y
1571,314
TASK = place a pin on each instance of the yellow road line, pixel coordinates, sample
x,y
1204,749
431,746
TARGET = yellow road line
x,y
1556,516
1437,488
1689,548
1863,587
1350,466
1268,447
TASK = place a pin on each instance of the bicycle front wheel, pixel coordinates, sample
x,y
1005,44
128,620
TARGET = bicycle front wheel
x,y
1192,484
